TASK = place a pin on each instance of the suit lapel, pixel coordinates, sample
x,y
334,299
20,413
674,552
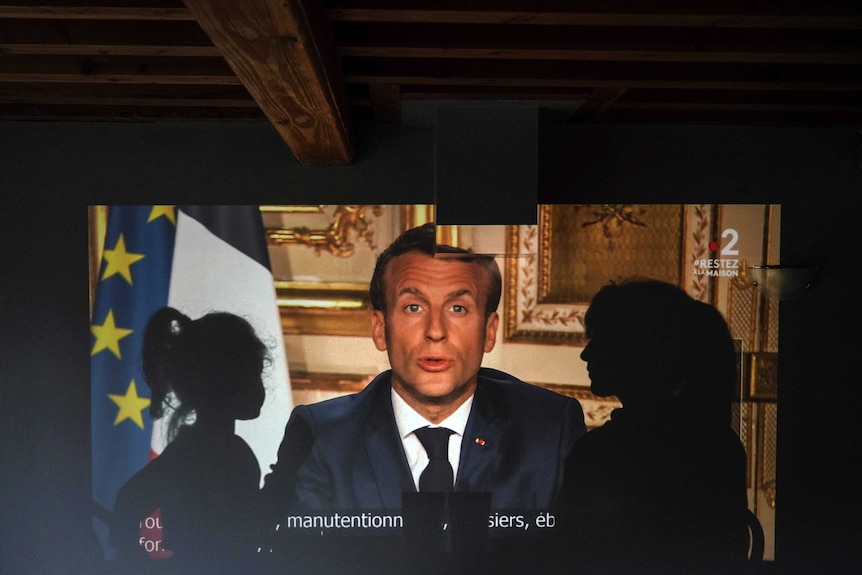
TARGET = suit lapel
x,y
385,452
481,445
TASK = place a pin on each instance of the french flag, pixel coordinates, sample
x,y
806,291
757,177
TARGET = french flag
x,y
197,259
221,263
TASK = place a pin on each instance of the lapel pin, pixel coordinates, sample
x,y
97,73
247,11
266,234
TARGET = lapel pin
x,y
479,441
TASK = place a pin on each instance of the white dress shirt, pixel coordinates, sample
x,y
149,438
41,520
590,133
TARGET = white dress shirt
x,y
408,421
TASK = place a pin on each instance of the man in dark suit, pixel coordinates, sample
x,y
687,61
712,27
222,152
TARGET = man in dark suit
x,y
435,316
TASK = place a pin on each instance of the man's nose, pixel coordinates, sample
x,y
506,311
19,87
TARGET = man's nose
x,y
585,354
435,329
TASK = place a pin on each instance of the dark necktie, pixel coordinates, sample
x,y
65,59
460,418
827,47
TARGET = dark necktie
x,y
438,476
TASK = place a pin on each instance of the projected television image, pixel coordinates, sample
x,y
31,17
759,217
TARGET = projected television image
x,y
278,413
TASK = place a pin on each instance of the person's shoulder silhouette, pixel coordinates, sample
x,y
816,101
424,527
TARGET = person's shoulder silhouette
x,y
203,374
663,481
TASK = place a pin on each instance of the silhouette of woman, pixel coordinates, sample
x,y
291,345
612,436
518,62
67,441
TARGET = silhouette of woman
x,y
206,480
660,487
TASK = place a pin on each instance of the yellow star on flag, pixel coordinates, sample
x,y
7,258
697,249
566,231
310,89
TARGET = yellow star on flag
x,y
119,261
108,336
166,211
131,405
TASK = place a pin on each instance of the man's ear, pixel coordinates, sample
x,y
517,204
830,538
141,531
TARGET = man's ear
x,y
378,330
491,325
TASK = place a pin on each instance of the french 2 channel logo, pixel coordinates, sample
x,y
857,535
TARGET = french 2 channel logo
x,y
727,262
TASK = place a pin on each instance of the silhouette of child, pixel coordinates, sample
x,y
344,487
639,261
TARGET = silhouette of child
x,y
206,480
661,487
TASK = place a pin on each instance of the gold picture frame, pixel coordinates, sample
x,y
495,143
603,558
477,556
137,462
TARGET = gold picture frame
x,y
761,376
600,243
333,307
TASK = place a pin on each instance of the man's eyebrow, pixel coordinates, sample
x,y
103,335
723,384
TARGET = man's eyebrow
x,y
450,296
411,291
459,293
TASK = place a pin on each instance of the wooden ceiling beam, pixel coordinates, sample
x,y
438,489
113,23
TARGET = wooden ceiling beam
x,y
203,94
85,12
502,13
280,51
580,83
655,18
491,93
173,33
130,78
428,41
128,95
586,55
562,74
765,61
143,102
95,70
110,50
106,111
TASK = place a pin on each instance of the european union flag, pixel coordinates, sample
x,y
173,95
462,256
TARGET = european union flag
x,y
196,259
133,283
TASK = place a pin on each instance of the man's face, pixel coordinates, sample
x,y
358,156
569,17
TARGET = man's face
x,y
434,330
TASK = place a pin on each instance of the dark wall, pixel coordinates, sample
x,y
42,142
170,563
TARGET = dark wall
x,y
49,172
230,163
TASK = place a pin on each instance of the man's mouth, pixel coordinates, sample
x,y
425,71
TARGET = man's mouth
x,y
433,363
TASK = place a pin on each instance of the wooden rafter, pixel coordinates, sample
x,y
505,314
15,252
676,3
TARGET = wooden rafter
x,y
276,48
308,66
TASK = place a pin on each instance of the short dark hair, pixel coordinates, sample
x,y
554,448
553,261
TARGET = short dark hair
x,y
424,239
